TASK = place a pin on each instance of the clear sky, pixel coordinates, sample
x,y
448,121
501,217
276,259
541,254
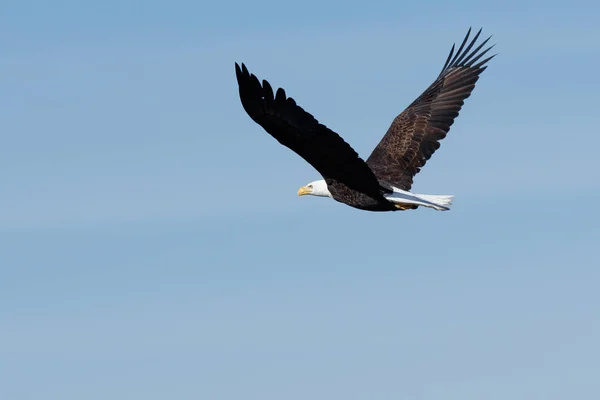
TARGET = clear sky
x,y
152,245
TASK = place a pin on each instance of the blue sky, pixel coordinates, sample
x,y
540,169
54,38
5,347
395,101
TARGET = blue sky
x,y
152,244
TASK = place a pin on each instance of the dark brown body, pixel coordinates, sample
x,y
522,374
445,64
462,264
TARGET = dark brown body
x,y
342,193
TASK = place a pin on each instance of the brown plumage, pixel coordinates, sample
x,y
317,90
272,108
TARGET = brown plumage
x,y
414,135
410,141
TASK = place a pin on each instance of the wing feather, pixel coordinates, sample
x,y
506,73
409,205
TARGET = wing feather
x,y
415,134
298,130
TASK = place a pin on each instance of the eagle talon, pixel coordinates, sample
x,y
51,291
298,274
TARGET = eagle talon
x,y
406,206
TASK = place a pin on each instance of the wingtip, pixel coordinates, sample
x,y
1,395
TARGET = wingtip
x,y
464,56
241,70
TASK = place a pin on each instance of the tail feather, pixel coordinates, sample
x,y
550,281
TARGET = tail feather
x,y
438,202
439,199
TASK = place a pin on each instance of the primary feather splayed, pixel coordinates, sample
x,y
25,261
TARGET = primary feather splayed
x,y
383,182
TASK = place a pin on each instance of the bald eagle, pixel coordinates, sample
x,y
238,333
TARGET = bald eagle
x,y
383,182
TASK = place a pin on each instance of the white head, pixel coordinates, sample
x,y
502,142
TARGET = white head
x,y
316,188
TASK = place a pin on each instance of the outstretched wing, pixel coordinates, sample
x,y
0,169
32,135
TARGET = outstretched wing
x,y
298,130
414,135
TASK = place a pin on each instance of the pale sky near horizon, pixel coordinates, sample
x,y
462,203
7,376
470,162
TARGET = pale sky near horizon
x,y
152,245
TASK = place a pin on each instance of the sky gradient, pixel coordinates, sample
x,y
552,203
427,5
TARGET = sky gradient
x,y
152,245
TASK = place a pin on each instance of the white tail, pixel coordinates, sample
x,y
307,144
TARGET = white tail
x,y
438,202
444,200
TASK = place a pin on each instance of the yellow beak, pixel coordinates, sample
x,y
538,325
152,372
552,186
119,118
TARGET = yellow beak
x,y
304,190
